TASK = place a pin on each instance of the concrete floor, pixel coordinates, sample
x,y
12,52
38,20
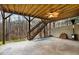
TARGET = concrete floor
x,y
42,46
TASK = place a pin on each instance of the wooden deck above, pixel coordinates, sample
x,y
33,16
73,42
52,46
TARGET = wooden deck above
x,y
41,10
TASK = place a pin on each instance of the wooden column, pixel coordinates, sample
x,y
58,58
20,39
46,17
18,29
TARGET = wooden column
x,y
53,24
44,32
49,28
4,34
3,25
26,29
29,28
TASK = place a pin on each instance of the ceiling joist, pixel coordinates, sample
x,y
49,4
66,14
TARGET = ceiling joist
x,y
40,10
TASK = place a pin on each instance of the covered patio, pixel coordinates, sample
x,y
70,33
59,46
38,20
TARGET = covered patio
x,y
42,28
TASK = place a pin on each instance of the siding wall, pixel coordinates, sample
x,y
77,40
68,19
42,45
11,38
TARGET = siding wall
x,y
65,29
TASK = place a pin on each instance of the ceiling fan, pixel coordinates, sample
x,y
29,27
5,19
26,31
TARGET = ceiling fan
x,y
52,14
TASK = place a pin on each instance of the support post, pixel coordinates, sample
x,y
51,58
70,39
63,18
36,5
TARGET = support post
x,y
53,24
29,28
44,32
29,21
4,39
49,28
3,25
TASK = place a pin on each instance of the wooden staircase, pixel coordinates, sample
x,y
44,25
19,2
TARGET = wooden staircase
x,y
37,25
37,29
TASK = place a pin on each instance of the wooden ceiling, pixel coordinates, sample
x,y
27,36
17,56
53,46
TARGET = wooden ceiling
x,y
41,10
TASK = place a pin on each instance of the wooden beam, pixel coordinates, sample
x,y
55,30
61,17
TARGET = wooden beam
x,y
29,32
44,32
32,18
26,18
49,28
24,14
29,27
3,24
8,15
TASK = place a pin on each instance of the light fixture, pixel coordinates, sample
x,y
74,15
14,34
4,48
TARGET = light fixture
x,y
53,14
73,26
